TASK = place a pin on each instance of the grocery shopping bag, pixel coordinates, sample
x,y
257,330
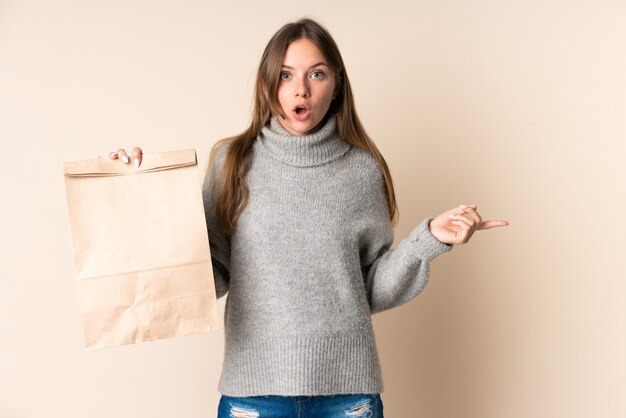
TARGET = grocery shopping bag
x,y
141,249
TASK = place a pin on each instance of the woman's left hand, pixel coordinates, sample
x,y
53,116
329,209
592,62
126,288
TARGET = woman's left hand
x,y
456,226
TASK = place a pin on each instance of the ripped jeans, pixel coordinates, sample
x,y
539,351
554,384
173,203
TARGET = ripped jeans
x,y
335,406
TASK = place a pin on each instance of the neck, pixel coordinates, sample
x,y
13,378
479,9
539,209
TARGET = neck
x,y
320,147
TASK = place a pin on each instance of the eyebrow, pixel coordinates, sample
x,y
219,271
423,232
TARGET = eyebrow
x,y
312,66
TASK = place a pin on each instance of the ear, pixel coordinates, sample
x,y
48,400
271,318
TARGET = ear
x,y
265,91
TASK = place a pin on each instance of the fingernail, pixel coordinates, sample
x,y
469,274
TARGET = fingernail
x,y
113,154
463,206
136,162
451,216
125,159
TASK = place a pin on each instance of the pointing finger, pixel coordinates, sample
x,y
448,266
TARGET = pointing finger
x,y
492,224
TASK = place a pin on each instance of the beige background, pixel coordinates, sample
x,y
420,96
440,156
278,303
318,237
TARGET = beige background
x,y
517,106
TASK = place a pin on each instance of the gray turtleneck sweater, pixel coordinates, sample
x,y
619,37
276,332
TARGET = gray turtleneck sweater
x,y
308,264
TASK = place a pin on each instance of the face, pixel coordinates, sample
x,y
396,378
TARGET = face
x,y
306,88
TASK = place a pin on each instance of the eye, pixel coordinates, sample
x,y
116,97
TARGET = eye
x,y
285,76
317,74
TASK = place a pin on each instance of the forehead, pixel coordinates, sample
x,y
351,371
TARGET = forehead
x,y
302,52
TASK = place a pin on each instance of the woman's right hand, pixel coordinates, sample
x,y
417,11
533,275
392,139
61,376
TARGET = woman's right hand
x,y
135,156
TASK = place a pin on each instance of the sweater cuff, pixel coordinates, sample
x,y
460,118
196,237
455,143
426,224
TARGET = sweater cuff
x,y
426,244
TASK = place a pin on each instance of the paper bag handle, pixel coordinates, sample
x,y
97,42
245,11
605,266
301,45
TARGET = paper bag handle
x,y
149,162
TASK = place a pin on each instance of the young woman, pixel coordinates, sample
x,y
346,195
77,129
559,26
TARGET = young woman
x,y
299,209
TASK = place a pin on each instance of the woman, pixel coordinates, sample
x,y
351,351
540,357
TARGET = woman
x,y
299,209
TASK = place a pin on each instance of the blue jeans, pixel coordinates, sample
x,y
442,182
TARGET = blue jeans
x,y
335,406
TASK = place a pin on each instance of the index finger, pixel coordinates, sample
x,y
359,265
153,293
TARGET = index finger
x,y
492,224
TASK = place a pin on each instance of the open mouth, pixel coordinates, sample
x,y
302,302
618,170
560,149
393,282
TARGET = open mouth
x,y
300,110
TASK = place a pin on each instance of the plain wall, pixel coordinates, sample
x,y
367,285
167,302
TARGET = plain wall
x,y
517,106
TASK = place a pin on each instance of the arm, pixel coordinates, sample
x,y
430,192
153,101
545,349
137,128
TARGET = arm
x,y
219,241
396,276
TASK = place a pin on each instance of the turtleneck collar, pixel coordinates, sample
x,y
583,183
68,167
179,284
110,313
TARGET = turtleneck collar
x,y
317,148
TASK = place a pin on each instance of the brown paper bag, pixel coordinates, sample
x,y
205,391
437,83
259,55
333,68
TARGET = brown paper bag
x,y
141,249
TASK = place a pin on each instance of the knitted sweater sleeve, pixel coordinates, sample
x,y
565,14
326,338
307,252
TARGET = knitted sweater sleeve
x,y
396,276
219,241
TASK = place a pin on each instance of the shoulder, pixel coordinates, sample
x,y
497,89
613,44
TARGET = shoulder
x,y
220,148
218,152
365,167
367,188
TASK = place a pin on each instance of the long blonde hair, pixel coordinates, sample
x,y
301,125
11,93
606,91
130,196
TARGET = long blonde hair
x,y
233,195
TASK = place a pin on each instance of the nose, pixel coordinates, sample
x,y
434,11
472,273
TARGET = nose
x,y
302,88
